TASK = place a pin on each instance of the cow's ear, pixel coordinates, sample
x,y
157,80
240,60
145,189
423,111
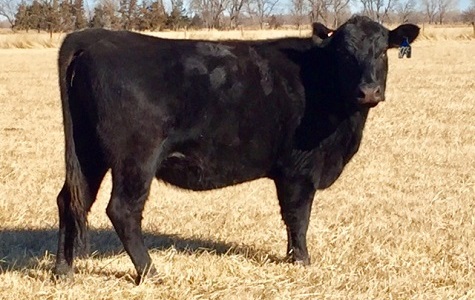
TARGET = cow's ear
x,y
321,31
321,34
397,36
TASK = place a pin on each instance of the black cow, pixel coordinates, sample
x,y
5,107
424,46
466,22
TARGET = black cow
x,y
204,115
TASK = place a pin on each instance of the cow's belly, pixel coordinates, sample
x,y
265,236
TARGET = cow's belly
x,y
203,167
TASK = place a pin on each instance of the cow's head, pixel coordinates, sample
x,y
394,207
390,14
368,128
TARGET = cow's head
x,y
359,48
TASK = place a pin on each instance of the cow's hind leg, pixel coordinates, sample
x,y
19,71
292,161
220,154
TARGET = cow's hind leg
x,y
131,186
66,235
76,197
295,199
68,230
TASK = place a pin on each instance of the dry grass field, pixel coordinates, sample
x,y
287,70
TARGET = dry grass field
x,y
398,224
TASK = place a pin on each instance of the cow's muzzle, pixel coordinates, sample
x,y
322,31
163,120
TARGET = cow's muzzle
x,y
369,95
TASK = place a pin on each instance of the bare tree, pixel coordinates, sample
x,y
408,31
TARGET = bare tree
x,y
437,9
261,10
443,6
468,16
234,9
8,9
299,10
378,9
211,11
337,7
430,9
404,9
318,10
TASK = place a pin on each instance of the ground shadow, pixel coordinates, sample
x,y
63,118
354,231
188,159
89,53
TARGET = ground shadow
x,y
20,249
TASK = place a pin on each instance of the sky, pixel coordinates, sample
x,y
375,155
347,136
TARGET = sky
x,y
463,4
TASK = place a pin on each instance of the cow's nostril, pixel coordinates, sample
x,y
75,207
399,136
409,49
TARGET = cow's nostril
x,y
367,94
360,94
377,91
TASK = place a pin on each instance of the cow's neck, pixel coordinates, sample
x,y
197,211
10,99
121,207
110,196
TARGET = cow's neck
x,y
328,116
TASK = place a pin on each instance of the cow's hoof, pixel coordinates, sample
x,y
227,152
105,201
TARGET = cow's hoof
x,y
301,262
298,261
151,276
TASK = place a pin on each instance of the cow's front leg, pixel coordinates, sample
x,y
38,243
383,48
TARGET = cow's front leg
x,y
295,199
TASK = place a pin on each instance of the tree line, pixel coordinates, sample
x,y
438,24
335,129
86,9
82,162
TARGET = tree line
x,y
69,15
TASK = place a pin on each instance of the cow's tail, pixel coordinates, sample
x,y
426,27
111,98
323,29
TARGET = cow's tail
x,y
76,184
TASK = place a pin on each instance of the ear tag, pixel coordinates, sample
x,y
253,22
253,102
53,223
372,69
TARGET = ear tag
x,y
405,49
